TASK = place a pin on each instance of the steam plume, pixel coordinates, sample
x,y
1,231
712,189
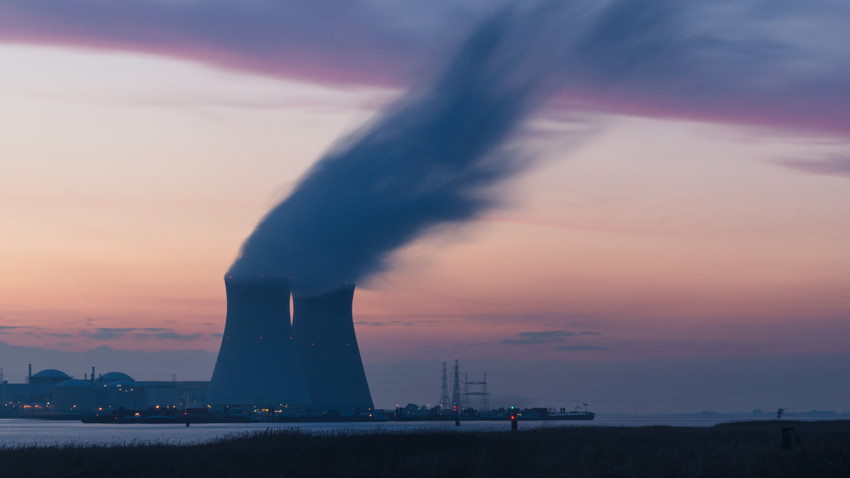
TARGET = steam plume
x,y
428,159
432,156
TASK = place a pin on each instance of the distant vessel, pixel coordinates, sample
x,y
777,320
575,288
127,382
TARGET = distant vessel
x,y
580,413
569,416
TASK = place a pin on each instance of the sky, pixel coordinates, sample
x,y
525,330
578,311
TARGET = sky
x,y
676,242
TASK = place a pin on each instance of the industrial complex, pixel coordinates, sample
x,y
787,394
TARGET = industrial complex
x,y
304,363
52,393
272,365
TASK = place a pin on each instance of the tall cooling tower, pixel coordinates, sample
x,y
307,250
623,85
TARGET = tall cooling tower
x,y
257,363
323,327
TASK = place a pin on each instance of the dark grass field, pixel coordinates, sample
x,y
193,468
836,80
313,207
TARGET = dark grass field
x,y
821,449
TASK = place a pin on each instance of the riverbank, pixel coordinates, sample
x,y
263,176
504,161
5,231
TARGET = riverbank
x,y
736,449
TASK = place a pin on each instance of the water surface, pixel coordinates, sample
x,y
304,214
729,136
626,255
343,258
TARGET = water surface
x,y
28,432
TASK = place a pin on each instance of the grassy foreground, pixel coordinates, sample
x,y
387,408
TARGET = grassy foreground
x,y
822,449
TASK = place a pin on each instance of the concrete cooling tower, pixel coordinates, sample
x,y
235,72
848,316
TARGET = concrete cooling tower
x,y
323,328
258,363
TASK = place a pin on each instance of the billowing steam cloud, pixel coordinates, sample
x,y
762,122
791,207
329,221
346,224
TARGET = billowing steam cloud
x,y
428,159
425,161
434,155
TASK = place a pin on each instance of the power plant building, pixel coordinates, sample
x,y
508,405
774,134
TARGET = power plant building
x,y
310,361
323,327
52,391
257,363
75,395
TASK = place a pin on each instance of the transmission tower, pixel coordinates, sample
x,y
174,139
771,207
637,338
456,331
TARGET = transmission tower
x,y
444,391
457,396
485,395
482,394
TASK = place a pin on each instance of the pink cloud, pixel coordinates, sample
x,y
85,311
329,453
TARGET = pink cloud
x,y
301,43
737,64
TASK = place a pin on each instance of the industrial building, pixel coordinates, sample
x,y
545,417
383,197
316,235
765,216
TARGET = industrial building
x,y
52,391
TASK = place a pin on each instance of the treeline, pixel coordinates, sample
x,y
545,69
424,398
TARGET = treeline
x,y
820,449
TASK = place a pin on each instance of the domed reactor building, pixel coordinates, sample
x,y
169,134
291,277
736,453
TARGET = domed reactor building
x,y
310,361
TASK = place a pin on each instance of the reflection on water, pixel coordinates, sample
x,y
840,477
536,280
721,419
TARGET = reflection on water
x,y
20,432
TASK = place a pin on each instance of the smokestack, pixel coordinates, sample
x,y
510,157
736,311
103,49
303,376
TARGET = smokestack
x,y
29,376
257,362
323,327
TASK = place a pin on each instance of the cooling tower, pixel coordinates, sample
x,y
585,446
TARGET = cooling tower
x,y
323,327
257,363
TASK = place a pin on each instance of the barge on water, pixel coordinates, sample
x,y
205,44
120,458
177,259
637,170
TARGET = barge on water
x,y
562,414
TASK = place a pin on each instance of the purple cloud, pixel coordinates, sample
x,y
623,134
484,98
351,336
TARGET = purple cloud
x,y
578,348
168,335
829,166
330,41
155,333
535,338
106,333
779,63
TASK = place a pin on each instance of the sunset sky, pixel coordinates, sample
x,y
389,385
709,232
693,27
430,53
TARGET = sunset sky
x,y
678,242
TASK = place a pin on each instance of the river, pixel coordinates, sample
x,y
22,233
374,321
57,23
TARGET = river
x,y
27,432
